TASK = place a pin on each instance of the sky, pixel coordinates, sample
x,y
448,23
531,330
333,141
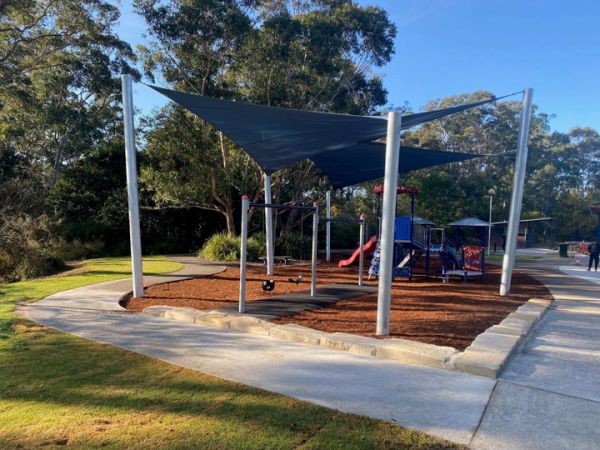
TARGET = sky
x,y
449,47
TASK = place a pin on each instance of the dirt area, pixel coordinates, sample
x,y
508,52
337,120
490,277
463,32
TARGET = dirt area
x,y
424,310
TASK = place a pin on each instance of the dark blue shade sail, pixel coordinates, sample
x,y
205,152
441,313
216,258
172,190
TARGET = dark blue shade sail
x,y
277,137
366,162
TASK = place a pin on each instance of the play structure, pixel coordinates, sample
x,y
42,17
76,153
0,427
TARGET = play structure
x,y
348,149
414,237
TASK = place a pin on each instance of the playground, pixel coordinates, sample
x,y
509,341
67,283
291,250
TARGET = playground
x,y
424,310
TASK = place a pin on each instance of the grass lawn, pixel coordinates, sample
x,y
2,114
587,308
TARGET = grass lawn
x,y
57,389
519,258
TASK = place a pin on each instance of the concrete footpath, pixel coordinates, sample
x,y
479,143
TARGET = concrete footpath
x,y
438,402
547,398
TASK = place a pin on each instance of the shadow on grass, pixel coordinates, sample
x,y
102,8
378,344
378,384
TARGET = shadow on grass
x,y
63,379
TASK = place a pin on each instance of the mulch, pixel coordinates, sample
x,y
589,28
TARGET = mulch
x,y
424,310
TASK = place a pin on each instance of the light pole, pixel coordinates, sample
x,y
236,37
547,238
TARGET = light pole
x,y
491,194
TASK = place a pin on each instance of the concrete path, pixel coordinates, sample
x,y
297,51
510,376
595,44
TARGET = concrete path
x,y
581,272
549,395
547,398
439,402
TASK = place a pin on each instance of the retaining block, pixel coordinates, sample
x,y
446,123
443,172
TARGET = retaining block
x,y
214,319
187,315
360,345
514,322
157,311
296,333
411,352
480,362
250,324
496,342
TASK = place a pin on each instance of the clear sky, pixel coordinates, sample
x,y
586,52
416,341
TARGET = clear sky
x,y
447,47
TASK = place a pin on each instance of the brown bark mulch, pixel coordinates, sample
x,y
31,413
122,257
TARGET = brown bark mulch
x,y
424,310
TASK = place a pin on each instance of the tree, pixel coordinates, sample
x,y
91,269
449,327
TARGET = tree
x,y
314,55
59,98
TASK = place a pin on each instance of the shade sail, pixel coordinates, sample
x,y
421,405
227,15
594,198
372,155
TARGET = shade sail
x,y
365,162
469,222
278,137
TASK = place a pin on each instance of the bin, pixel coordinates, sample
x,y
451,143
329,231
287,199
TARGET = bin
x,y
563,250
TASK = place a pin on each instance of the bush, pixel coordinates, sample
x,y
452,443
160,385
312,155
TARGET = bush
x,y
77,249
226,247
27,248
221,247
296,245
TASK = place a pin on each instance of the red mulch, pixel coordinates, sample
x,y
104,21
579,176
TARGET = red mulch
x,y
424,310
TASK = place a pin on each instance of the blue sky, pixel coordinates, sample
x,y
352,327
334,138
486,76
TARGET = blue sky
x,y
447,47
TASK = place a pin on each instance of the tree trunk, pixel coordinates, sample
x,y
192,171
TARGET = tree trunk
x,y
230,219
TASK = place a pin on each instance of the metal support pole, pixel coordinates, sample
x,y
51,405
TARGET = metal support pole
x,y
489,242
243,251
517,196
269,225
328,226
132,188
361,243
315,241
390,183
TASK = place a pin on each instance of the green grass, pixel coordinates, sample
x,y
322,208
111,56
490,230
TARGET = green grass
x,y
93,271
519,258
57,389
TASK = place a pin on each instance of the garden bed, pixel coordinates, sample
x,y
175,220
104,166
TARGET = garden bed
x,y
424,310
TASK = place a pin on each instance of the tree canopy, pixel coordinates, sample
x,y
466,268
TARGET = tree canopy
x,y
61,148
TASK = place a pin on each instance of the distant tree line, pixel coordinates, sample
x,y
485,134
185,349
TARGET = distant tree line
x,y
62,181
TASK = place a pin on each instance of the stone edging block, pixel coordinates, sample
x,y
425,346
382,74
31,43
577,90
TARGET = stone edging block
x,y
490,351
486,356
413,352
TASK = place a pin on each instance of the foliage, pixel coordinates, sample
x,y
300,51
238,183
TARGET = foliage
x,y
226,247
26,249
310,55
59,99
296,245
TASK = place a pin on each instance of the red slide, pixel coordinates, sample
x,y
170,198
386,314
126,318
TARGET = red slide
x,y
368,248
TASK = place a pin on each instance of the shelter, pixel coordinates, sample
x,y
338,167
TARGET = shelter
x,y
469,222
277,137
530,231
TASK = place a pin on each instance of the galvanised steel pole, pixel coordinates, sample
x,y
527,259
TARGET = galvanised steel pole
x,y
132,188
328,226
361,243
269,225
390,183
491,193
243,251
315,241
516,201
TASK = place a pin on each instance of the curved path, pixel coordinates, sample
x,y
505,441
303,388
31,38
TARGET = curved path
x,y
547,398
442,403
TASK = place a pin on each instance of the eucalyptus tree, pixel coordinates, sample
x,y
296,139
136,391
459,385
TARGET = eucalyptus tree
x,y
315,55
59,61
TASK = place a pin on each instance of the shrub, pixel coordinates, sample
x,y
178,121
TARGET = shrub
x,y
77,249
296,245
27,248
221,247
257,246
226,247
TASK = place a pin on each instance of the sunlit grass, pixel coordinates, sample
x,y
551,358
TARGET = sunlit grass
x,y
92,271
497,258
